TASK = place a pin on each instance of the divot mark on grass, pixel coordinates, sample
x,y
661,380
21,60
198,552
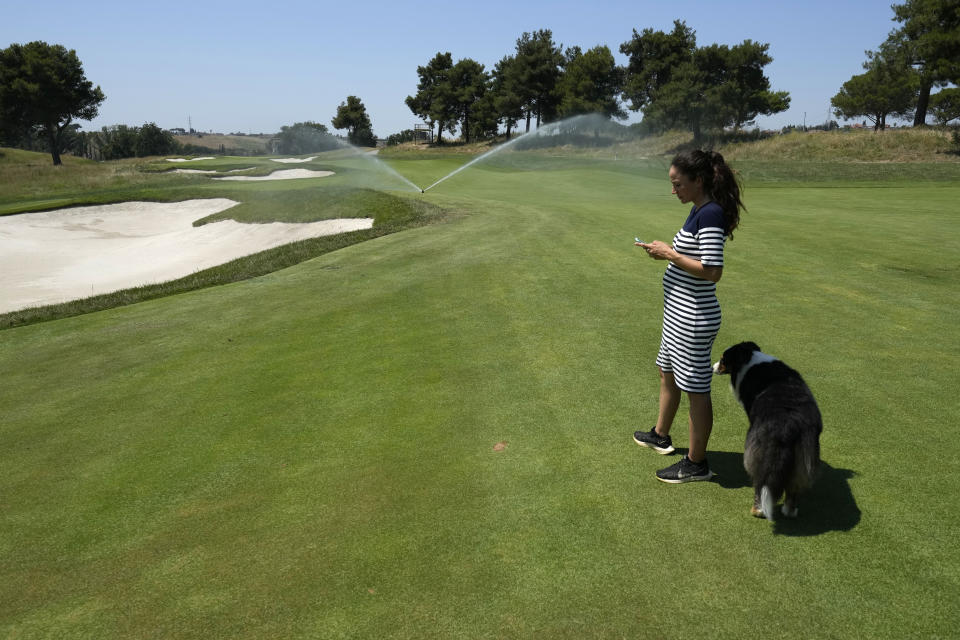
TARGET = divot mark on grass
x,y
500,446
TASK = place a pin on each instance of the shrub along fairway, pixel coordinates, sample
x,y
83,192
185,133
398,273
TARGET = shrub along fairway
x,y
428,434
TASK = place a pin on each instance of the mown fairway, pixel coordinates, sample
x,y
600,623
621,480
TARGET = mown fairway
x,y
311,453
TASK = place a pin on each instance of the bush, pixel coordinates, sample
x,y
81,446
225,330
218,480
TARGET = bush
x,y
407,135
303,137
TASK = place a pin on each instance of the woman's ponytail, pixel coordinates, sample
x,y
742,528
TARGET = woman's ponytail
x,y
720,183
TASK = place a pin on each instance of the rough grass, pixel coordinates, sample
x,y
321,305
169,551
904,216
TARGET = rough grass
x,y
924,144
897,145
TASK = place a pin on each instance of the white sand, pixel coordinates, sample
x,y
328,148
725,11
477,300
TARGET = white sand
x,y
284,174
294,160
189,159
207,170
55,256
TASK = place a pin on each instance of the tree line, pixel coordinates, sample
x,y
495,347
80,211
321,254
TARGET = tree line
x,y
43,91
923,54
674,82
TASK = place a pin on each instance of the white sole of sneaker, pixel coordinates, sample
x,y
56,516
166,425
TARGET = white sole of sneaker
x,y
703,478
661,451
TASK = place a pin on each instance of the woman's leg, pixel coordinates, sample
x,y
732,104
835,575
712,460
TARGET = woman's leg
x,y
701,424
669,402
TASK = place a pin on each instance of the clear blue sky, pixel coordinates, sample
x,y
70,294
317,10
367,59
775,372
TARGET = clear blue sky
x,y
255,66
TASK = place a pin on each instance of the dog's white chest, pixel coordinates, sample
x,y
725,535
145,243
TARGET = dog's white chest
x,y
758,357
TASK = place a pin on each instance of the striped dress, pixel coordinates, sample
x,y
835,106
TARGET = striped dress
x,y
691,312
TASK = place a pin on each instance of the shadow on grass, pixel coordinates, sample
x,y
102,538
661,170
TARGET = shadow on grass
x,y
829,505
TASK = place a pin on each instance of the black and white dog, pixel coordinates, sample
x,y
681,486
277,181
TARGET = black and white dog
x,y
782,452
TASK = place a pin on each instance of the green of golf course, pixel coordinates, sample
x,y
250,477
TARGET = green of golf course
x,y
428,433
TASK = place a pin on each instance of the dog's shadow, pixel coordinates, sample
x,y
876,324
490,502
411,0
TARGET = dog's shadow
x,y
828,505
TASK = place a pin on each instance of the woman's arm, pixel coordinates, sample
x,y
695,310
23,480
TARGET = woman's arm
x,y
662,251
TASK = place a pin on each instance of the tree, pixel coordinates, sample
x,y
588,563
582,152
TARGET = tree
x,y
154,141
945,105
352,116
536,71
654,56
433,101
43,86
746,91
468,87
887,88
930,36
303,137
118,141
506,93
675,83
591,83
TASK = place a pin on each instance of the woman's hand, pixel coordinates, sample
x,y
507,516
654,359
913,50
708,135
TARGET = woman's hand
x,y
658,250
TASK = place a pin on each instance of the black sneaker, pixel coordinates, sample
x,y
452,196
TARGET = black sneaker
x,y
685,471
661,444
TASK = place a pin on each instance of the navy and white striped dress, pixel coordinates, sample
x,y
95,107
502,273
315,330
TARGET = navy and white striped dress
x,y
691,311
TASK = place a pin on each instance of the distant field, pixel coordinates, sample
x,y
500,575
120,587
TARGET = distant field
x,y
213,141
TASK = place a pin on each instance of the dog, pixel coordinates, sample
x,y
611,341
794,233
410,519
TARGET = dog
x,y
782,451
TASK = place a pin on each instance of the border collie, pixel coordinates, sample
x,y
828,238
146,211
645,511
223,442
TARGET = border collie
x,y
782,451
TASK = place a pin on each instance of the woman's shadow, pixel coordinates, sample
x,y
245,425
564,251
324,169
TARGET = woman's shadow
x,y
828,505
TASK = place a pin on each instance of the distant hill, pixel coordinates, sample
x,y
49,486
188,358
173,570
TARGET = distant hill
x,y
213,141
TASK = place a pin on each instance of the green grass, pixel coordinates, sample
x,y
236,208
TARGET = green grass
x,y
310,453
347,194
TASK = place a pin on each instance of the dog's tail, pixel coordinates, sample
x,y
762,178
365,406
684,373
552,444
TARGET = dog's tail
x,y
767,502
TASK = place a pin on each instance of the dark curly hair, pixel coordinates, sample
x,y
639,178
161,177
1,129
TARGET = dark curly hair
x,y
720,183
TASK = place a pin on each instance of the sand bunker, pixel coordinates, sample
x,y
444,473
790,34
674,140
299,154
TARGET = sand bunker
x,y
294,160
55,256
206,170
284,174
189,159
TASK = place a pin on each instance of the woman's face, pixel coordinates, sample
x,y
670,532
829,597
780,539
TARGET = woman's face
x,y
684,188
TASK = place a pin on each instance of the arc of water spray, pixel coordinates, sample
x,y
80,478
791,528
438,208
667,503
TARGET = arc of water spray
x,y
546,130
479,158
378,162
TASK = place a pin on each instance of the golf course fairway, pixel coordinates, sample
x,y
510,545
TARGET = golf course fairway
x,y
428,434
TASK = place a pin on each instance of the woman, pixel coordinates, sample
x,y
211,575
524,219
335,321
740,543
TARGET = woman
x,y
691,312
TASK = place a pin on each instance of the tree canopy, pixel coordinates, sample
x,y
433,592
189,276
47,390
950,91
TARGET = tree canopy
x,y
536,72
43,87
945,105
434,101
675,83
591,83
303,137
352,116
930,38
887,88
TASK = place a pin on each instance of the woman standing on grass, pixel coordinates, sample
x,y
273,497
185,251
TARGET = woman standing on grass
x,y
691,312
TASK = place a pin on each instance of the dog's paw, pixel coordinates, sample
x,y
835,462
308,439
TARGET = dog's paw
x,y
788,512
756,512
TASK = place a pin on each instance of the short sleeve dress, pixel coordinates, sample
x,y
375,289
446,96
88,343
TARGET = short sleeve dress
x,y
691,311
